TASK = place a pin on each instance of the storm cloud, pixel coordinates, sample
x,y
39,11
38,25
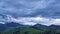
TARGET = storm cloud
x,y
30,8
11,10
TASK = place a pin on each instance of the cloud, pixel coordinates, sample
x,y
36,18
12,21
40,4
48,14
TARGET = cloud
x,y
37,20
30,11
56,22
30,8
2,22
30,20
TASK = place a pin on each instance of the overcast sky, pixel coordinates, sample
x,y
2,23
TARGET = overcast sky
x,y
30,12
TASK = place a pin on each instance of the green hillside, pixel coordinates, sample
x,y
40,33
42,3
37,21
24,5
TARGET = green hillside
x,y
26,30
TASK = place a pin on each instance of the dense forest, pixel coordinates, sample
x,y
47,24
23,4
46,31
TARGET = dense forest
x,y
15,28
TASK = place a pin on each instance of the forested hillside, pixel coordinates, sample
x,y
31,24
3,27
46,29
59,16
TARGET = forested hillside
x,y
15,28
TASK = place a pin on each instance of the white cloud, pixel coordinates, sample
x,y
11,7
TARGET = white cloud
x,y
56,21
31,20
2,22
35,20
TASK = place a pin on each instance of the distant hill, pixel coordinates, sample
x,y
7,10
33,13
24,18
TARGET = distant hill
x,y
36,26
16,28
35,29
8,25
52,27
39,26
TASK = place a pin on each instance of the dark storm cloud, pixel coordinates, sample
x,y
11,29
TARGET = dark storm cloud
x,y
30,8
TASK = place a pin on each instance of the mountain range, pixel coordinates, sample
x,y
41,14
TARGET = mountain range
x,y
36,26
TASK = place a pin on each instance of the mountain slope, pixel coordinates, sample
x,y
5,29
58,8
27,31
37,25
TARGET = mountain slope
x,y
8,25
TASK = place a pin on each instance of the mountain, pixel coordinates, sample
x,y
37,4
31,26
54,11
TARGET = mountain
x,y
36,26
8,25
13,24
51,28
39,26
54,27
16,28
2,27
35,29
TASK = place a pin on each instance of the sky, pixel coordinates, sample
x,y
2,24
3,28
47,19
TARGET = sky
x,y
30,12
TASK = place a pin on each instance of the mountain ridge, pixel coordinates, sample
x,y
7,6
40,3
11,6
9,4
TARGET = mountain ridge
x,y
36,26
